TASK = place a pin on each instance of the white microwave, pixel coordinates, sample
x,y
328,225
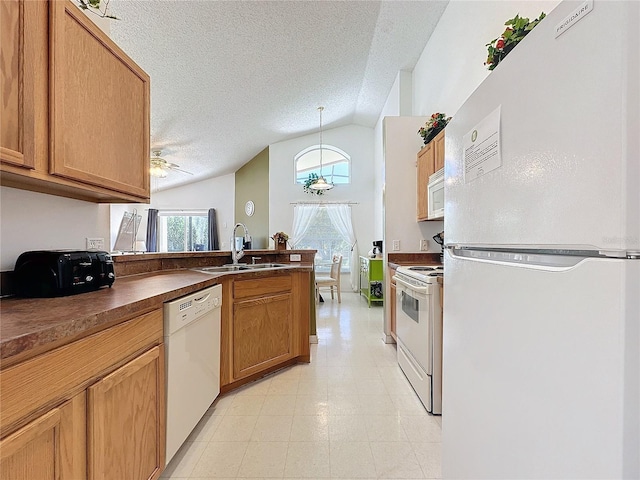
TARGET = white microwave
x,y
435,195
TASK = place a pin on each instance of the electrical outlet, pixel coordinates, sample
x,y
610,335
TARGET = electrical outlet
x,y
95,243
424,245
295,257
396,245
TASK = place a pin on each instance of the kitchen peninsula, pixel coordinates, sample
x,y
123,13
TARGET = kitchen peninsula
x,y
69,363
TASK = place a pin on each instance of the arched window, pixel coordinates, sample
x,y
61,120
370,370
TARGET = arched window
x,y
336,164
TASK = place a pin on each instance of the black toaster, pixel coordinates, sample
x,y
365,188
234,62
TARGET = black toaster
x,y
55,273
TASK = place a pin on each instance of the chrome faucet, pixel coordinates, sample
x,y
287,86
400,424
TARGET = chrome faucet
x,y
235,254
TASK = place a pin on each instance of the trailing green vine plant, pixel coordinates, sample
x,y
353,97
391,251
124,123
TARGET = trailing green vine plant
x,y
517,28
313,178
93,6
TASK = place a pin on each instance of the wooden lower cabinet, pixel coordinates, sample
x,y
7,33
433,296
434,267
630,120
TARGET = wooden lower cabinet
x,y
264,326
51,447
125,418
109,422
262,329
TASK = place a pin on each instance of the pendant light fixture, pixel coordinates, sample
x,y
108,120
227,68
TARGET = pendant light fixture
x,y
321,183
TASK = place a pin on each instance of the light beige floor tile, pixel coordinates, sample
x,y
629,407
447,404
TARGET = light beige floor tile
x,y
385,428
246,405
221,404
235,428
272,428
366,371
311,405
315,386
284,386
377,405
184,460
395,460
408,404
279,405
206,427
310,428
220,459
421,428
342,387
429,457
351,460
371,386
308,460
264,459
348,428
344,405
259,387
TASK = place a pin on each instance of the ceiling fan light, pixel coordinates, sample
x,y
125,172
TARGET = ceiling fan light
x,y
157,171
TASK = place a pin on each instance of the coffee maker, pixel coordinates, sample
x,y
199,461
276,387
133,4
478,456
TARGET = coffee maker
x,y
377,249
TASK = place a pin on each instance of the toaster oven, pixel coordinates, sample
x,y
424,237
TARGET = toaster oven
x,y
55,273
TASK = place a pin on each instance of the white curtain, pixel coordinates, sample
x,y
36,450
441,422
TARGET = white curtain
x,y
303,215
340,216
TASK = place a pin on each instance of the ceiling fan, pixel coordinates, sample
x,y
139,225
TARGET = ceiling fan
x,y
160,167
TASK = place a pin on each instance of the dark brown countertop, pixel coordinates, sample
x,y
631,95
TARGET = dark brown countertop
x,y
396,259
33,326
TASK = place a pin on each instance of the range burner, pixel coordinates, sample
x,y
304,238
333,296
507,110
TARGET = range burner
x,y
424,268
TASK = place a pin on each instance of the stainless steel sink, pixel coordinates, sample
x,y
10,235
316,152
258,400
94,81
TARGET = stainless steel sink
x,y
221,269
267,265
242,267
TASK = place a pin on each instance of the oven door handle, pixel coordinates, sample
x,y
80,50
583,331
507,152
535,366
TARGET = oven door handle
x,y
423,290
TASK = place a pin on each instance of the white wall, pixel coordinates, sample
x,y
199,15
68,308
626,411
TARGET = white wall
x,y
35,221
358,143
218,193
452,63
398,103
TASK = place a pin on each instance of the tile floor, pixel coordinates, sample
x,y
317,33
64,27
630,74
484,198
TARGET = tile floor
x,y
350,413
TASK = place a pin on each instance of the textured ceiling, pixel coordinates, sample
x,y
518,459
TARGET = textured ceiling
x,y
229,78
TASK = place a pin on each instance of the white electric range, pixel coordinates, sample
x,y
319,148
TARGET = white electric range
x,y
419,331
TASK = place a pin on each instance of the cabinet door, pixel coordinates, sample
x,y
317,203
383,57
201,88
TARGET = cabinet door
x,y
126,421
99,106
52,447
16,87
438,161
425,168
262,334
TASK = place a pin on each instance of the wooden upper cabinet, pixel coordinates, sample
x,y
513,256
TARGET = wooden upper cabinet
x,y
425,168
439,151
16,86
98,106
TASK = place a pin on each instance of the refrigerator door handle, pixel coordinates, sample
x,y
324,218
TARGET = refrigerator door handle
x,y
536,261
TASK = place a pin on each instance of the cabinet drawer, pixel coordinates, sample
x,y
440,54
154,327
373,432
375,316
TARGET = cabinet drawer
x,y
261,286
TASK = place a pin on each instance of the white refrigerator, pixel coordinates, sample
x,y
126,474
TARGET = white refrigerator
x,y
541,334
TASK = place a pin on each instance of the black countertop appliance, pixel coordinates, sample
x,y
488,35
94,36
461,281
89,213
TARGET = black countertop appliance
x,y
55,273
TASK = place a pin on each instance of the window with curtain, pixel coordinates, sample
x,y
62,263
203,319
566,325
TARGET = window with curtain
x,y
329,230
183,231
323,236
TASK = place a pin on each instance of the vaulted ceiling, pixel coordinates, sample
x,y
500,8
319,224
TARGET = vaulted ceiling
x,y
229,78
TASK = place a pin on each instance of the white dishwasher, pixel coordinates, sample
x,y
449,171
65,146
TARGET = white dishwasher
x,y
192,356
